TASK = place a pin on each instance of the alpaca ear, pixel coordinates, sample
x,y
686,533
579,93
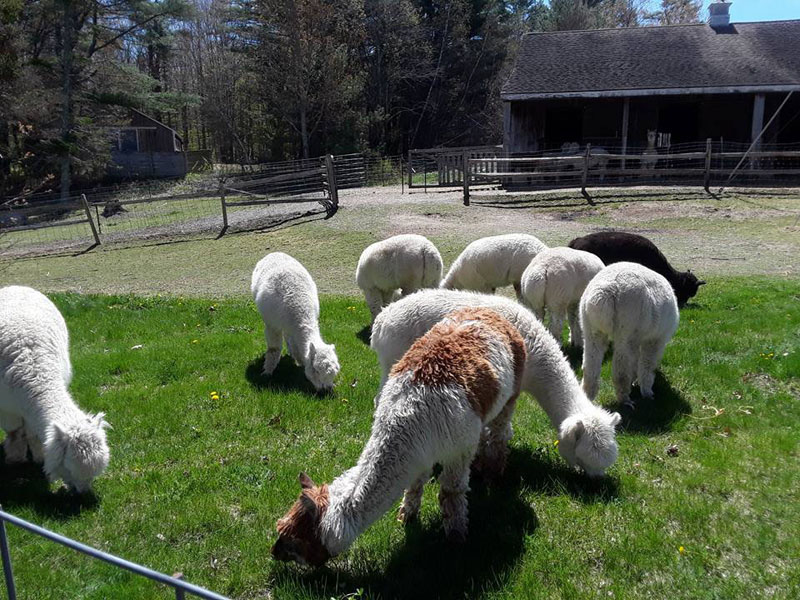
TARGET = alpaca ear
x,y
305,481
574,430
615,419
100,421
701,282
312,351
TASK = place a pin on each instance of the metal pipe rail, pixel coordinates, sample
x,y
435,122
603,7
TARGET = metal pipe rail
x,y
181,587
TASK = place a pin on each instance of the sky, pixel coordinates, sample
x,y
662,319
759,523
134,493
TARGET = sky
x,y
743,11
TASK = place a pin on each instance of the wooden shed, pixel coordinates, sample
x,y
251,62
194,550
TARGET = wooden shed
x,y
146,148
685,83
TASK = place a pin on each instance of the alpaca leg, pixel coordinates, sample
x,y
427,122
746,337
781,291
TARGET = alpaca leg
x,y
296,351
454,482
623,368
15,446
518,291
407,291
36,446
650,354
493,449
575,333
374,299
594,349
274,346
412,500
556,325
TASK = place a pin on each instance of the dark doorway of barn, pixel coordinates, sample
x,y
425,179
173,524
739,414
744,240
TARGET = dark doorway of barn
x,y
681,120
563,124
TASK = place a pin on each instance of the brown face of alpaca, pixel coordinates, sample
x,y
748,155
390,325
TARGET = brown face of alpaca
x,y
298,537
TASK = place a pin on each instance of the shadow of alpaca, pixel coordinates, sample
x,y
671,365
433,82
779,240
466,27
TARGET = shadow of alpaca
x,y
574,356
426,565
365,334
25,486
656,415
287,376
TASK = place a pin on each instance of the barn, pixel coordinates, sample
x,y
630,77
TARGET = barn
x,y
146,148
688,83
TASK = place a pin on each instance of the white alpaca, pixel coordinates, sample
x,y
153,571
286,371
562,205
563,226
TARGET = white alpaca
x,y
492,262
453,392
36,409
403,262
555,280
650,154
286,297
636,308
586,431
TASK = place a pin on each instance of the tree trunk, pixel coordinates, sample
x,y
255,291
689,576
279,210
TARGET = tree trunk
x,y
304,129
67,51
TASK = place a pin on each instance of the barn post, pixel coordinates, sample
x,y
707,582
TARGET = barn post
x,y
757,126
89,218
465,175
707,178
409,171
626,109
586,168
224,207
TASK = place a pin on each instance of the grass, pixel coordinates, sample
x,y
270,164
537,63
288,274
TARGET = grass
x,y
195,484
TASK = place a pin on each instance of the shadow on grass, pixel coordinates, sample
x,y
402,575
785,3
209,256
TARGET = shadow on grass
x,y
287,377
657,415
426,565
574,356
574,198
365,334
25,485
275,224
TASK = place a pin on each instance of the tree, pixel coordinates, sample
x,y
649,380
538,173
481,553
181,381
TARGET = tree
x,y
675,12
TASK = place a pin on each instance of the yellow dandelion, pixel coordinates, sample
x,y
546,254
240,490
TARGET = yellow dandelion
x,y
681,550
195,341
214,393
555,444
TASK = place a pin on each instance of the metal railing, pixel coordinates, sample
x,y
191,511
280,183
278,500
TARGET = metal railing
x,y
181,587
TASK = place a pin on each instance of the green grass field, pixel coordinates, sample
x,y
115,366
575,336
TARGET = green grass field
x,y
702,502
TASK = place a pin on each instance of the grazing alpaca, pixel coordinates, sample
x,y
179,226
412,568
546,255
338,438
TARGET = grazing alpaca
x,y
617,246
492,262
403,263
451,394
36,409
650,154
634,307
585,431
286,297
555,280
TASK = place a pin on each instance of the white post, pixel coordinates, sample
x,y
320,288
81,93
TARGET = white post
x,y
759,100
626,109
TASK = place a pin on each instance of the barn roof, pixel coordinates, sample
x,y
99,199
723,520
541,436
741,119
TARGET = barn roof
x,y
678,59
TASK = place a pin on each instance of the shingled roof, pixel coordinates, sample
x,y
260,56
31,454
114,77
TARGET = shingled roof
x,y
678,59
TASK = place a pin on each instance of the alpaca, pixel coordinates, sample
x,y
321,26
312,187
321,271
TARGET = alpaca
x,y
650,154
616,246
403,263
586,432
555,280
451,394
492,262
635,307
286,297
36,409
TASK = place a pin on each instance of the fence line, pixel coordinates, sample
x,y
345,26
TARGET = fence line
x,y
181,587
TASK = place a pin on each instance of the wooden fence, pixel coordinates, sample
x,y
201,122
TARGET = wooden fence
x,y
446,165
703,168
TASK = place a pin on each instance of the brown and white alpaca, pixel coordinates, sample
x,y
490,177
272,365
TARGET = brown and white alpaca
x,y
449,398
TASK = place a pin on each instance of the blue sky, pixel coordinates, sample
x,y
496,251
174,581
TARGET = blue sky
x,y
761,10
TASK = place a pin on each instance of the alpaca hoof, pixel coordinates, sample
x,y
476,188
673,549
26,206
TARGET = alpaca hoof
x,y
406,517
628,403
457,536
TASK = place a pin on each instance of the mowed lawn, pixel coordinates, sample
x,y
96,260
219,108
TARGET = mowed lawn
x,y
702,503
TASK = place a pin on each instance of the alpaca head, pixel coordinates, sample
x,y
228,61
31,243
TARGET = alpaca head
x,y
298,530
78,452
651,137
686,286
588,441
322,366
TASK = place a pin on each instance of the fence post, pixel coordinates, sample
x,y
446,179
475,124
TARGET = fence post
x,y
402,179
465,176
7,571
179,593
224,206
409,171
585,168
89,217
334,192
707,178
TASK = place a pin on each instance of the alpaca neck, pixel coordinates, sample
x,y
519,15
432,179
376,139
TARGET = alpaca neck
x,y
364,493
552,382
52,406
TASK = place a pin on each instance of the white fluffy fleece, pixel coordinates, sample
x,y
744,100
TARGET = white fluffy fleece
x,y
492,262
586,432
454,386
636,308
555,280
36,409
396,267
286,297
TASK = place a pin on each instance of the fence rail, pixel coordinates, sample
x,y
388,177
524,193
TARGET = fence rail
x,y
445,165
603,168
180,587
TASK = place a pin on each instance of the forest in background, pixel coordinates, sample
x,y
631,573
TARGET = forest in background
x,y
262,80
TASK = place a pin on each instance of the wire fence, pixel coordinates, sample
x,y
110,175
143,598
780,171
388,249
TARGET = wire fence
x,y
180,587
